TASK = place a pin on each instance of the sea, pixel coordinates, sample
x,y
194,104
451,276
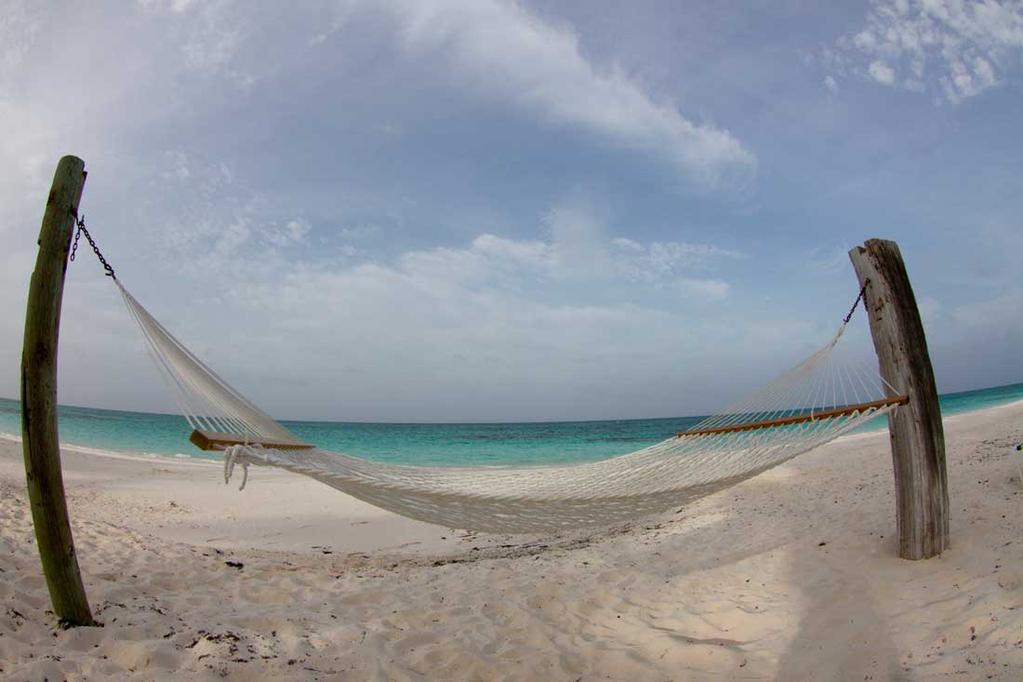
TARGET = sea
x,y
473,444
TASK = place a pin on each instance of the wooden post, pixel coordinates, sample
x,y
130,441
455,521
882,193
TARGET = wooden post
x,y
39,398
917,437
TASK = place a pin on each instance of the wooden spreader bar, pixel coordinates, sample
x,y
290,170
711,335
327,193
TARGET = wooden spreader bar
x,y
217,440
800,418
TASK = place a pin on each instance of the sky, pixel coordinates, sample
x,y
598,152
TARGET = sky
x,y
486,210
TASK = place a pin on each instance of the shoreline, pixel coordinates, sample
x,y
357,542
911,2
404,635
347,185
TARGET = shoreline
x,y
119,454
186,458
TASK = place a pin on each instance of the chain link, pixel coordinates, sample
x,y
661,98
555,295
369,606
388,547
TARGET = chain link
x,y
863,292
80,224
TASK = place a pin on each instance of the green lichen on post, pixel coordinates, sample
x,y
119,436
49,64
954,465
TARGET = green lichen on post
x,y
41,442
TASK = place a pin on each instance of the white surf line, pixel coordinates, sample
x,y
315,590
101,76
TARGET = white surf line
x,y
149,457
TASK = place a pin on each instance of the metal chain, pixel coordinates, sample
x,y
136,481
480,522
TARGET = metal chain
x,y
80,224
863,292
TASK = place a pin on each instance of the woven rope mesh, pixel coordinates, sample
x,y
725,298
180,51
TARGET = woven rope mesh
x,y
546,498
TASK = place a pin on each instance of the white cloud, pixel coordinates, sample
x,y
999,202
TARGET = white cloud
x,y
358,231
175,6
956,49
994,323
19,28
669,262
512,55
1002,314
881,72
296,231
498,262
209,35
711,289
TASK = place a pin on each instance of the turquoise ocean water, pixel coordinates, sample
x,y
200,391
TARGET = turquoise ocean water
x,y
427,444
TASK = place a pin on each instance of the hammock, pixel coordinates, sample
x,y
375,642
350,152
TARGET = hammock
x,y
811,404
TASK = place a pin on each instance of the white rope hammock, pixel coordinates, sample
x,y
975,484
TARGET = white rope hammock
x,y
811,404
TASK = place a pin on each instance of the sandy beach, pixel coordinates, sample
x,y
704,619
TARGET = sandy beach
x,y
791,575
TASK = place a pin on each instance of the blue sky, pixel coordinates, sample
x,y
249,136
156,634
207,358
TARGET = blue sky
x,y
490,210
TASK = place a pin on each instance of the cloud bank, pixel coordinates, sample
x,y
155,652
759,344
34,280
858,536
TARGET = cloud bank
x,y
500,327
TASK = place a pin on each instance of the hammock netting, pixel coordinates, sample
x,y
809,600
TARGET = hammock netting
x,y
813,403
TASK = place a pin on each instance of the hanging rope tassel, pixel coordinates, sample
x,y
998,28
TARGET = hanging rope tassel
x,y
236,454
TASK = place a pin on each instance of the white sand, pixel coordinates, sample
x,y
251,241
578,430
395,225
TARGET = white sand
x,y
791,575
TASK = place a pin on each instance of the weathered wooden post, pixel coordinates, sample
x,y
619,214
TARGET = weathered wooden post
x,y
917,437
39,398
